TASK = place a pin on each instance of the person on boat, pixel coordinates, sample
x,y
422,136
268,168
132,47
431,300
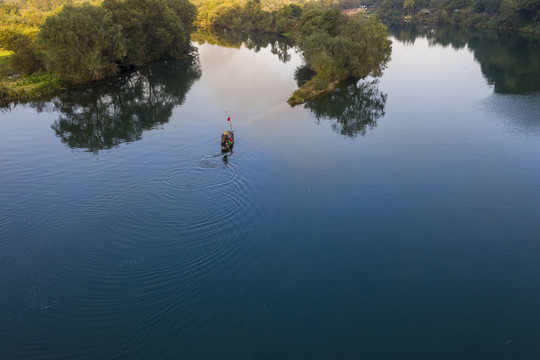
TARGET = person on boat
x,y
227,141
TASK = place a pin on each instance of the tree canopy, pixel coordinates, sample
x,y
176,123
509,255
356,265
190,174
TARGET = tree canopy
x,y
82,43
339,47
152,29
85,42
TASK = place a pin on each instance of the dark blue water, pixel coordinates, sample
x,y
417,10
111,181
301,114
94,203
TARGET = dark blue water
x,y
396,219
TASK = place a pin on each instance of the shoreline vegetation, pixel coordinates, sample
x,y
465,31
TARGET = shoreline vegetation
x,y
337,47
74,43
508,15
49,45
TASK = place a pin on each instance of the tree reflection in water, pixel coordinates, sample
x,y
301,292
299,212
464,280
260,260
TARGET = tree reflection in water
x,y
231,38
303,74
117,111
509,61
354,106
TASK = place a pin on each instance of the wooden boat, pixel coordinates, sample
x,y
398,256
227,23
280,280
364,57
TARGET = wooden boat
x,y
227,141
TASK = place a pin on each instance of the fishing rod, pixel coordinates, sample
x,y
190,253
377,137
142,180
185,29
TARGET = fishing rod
x,y
229,118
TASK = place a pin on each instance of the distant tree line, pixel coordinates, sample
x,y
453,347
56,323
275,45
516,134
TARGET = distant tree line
x,y
249,15
521,15
510,62
510,14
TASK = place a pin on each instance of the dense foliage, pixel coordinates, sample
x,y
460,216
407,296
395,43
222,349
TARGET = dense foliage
x,y
265,14
249,15
334,45
339,47
152,29
509,14
87,41
26,57
84,42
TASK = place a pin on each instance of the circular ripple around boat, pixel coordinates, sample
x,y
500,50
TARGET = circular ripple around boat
x,y
208,172
201,197
200,219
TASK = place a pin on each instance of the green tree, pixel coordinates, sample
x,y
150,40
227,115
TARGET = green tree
x,y
318,20
8,9
408,4
81,43
344,47
27,57
287,18
507,13
153,29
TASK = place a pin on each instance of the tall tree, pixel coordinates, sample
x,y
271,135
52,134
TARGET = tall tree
x,y
408,4
337,47
82,43
153,29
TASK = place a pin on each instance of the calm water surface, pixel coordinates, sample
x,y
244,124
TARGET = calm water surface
x,y
397,218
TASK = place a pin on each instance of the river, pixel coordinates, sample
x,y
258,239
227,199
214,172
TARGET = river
x,y
396,218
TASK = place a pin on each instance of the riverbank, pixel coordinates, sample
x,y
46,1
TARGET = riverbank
x,y
528,29
17,87
461,17
311,90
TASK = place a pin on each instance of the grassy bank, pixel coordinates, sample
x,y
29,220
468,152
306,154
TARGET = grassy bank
x,y
310,90
16,87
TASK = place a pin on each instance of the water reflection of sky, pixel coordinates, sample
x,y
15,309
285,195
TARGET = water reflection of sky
x,y
235,78
435,76
254,87
518,114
